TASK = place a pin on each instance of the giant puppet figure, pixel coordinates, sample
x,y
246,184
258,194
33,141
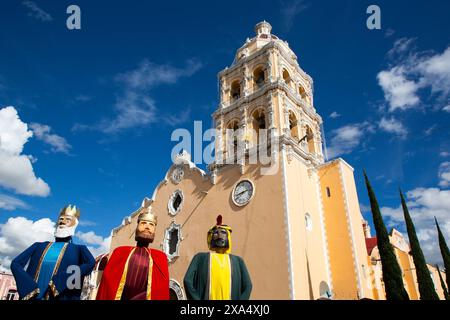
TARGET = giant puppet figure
x,y
218,275
137,273
55,269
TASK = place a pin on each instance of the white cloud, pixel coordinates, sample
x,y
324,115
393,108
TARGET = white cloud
x,y
135,107
36,12
401,46
133,110
58,143
424,204
446,108
13,132
389,32
334,115
412,72
444,174
11,203
90,237
18,233
149,74
435,71
289,10
393,126
398,91
444,154
16,170
96,244
430,130
347,138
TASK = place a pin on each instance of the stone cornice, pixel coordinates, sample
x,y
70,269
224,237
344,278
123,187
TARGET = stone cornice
x,y
262,51
278,84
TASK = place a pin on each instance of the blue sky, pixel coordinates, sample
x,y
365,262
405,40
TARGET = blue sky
x,y
103,101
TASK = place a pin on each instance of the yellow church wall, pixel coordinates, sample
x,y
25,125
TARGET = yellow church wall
x,y
409,273
307,246
357,232
344,277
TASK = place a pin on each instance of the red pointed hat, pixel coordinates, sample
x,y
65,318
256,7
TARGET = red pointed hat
x,y
220,225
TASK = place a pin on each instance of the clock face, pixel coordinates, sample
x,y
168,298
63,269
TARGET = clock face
x,y
243,192
177,175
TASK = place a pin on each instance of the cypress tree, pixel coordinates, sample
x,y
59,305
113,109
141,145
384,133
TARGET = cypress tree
x,y
444,288
445,253
426,286
392,274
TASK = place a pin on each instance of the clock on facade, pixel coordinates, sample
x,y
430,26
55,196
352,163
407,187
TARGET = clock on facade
x,y
243,192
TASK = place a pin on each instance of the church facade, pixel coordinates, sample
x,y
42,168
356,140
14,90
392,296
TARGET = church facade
x,y
296,221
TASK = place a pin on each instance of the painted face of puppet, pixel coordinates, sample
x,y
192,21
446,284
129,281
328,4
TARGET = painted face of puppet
x,y
219,239
145,231
66,226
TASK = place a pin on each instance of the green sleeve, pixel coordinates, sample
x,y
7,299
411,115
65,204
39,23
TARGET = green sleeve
x,y
246,285
190,277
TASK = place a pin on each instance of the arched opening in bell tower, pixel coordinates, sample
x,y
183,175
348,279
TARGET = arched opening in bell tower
x,y
287,78
258,78
302,92
310,140
258,125
293,125
232,135
235,92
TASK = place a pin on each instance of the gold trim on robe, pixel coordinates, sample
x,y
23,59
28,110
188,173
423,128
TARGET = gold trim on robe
x,y
55,270
150,273
124,277
33,293
38,269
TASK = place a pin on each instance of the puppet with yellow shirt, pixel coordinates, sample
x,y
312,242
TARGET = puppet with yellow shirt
x,y
218,275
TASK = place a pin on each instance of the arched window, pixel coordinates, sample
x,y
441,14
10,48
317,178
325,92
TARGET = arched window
x,y
235,91
302,92
258,78
232,132
258,124
287,77
310,140
171,243
308,222
175,202
324,290
293,125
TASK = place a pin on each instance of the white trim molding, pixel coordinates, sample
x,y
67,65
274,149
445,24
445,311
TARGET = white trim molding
x,y
351,234
287,225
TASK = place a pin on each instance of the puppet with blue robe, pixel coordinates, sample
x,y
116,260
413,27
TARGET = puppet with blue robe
x,y
55,269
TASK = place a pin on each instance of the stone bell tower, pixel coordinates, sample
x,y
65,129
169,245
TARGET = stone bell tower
x,y
265,88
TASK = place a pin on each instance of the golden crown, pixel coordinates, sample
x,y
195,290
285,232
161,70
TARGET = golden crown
x,y
147,215
70,211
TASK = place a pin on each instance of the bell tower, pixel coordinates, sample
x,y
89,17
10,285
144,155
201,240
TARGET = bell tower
x,y
265,91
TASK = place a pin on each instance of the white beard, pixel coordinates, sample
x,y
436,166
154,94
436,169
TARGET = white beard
x,y
64,232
